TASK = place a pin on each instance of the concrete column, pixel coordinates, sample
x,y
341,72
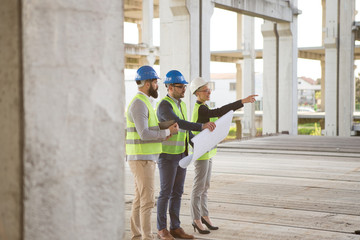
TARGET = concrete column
x,y
11,122
147,30
207,9
248,122
323,4
331,68
322,107
288,100
185,40
270,78
62,134
346,68
177,47
239,82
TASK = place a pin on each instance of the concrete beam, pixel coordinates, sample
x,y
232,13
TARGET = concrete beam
x,y
272,10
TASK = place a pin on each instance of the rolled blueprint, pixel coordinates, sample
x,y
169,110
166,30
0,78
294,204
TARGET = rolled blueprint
x,y
206,140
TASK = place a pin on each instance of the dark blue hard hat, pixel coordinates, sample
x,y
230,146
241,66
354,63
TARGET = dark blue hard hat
x,y
174,76
146,73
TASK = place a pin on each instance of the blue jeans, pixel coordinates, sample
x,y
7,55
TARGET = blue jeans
x,y
172,178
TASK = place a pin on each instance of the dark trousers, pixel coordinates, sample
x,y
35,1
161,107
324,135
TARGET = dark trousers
x,y
172,178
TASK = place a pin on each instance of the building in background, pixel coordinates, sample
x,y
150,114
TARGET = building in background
x,y
307,89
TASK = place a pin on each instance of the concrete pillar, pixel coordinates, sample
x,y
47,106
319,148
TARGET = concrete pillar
x,y
288,100
270,78
239,82
331,68
207,10
346,68
69,133
11,122
323,92
147,30
177,47
185,40
248,121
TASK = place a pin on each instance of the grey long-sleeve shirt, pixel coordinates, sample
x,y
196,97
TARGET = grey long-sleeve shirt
x,y
138,113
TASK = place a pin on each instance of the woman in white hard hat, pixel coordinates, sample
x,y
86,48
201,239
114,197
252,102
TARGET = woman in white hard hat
x,y
202,114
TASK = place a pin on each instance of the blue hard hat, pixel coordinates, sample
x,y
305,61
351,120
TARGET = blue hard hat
x,y
146,73
174,76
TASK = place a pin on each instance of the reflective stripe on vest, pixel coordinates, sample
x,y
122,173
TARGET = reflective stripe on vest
x,y
176,144
134,144
194,118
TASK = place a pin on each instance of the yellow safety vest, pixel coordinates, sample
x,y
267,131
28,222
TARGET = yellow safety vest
x,y
134,144
176,144
194,118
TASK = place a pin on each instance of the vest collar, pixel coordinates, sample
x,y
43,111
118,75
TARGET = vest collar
x,y
139,92
175,100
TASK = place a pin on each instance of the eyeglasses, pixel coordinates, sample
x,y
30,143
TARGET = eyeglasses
x,y
180,86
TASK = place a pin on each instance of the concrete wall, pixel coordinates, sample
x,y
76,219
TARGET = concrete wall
x,y
72,66
11,116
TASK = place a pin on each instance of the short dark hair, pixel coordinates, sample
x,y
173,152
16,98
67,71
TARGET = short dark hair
x,y
139,82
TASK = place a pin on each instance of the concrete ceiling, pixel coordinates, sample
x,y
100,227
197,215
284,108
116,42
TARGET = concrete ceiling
x,y
133,10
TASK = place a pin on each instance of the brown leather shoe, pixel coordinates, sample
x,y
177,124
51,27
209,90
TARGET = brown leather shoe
x,y
165,235
180,233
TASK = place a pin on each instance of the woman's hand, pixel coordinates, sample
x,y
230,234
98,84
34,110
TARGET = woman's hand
x,y
249,99
209,125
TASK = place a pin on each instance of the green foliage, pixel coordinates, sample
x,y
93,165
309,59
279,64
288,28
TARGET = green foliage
x,y
304,131
309,129
316,131
232,132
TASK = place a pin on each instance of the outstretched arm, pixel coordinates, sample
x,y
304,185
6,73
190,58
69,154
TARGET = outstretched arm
x,y
166,113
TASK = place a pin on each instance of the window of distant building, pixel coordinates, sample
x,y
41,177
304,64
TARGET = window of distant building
x,y
232,86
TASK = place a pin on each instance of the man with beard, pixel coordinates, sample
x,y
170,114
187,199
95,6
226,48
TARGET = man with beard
x,y
172,176
143,146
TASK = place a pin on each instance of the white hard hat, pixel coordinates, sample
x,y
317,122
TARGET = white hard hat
x,y
196,83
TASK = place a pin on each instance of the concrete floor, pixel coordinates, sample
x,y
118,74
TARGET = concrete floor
x,y
280,187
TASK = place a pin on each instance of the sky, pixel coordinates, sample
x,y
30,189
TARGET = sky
x,y
309,35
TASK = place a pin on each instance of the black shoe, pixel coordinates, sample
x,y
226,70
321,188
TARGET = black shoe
x,y
208,225
199,230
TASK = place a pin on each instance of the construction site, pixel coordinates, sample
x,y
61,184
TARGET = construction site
x,y
64,173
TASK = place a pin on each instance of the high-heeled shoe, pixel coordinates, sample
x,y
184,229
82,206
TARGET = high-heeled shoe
x,y
208,224
200,230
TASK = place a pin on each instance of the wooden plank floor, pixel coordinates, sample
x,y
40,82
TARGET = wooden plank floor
x,y
281,187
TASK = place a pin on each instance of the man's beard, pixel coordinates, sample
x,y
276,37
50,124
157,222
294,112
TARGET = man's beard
x,y
153,92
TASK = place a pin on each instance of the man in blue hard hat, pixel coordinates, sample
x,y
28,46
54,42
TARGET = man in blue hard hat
x,y
143,146
172,176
